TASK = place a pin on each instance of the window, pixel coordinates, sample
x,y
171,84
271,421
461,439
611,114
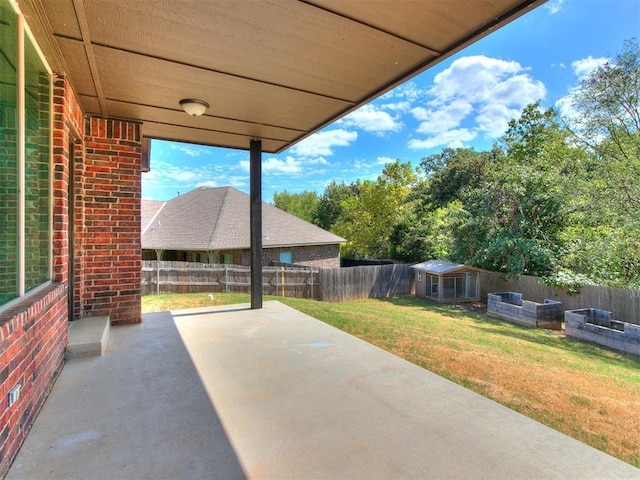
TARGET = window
x,y
286,257
8,153
25,139
37,162
431,285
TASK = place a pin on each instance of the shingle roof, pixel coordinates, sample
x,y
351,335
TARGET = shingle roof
x,y
439,267
218,219
150,209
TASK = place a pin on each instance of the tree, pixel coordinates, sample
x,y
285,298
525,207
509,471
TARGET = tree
x,y
329,208
368,219
607,123
425,234
516,215
303,205
453,172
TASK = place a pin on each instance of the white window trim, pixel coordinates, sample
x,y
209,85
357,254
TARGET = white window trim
x,y
22,30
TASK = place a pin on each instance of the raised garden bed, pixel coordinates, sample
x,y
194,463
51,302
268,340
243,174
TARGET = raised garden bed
x,y
597,326
510,306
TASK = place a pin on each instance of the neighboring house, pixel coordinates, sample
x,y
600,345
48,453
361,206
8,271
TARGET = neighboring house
x,y
447,282
211,225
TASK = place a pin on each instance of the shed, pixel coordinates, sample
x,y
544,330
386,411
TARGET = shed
x,y
446,281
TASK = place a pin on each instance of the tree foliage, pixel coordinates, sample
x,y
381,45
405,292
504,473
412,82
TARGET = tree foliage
x,y
605,241
329,208
368,218
454,172
303,205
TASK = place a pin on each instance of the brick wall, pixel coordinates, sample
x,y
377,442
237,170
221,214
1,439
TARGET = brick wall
x,y
33,335
320,256
67,130
110,233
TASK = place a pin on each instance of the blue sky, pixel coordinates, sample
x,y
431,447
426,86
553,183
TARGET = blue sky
x,y
465,101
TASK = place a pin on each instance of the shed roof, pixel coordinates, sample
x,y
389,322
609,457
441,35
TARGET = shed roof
x,y
276,70
438,267
218,219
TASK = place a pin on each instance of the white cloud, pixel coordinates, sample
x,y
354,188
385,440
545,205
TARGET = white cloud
x,y
474,95
165,172
288,165
190,150
183,178
406,92
385,160
401,99
401,106
451,138
493,119
371,118
208,183
480,79
554,6
182,175
583,68
321,144
316,161
237,182
565,107
276,166
443,118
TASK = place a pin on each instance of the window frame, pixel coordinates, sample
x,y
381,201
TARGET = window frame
x,y
288,254
23,32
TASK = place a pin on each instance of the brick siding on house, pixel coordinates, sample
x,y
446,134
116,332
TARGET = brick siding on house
x,y
67,129
111,233
33,336
319,256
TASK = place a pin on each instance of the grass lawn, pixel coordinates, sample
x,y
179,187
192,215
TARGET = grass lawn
x,y
588,392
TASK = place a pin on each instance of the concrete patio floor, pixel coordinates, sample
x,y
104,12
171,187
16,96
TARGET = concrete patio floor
x,y
229,392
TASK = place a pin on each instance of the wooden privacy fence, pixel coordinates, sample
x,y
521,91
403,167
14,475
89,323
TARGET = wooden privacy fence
x,y
189,277
327,284
624,304
370,281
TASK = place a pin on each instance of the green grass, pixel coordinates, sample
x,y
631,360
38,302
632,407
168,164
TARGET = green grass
x,y
581,389
161,303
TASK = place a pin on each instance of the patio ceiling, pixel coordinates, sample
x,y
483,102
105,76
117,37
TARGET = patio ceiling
x,y
274,70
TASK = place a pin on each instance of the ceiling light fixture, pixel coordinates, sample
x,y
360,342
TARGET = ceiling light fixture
x,y
193,106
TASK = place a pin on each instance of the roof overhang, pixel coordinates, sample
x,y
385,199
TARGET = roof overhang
x,y
275,70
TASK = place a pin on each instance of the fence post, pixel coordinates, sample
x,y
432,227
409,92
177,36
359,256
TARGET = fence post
x,y
157,277
282,283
